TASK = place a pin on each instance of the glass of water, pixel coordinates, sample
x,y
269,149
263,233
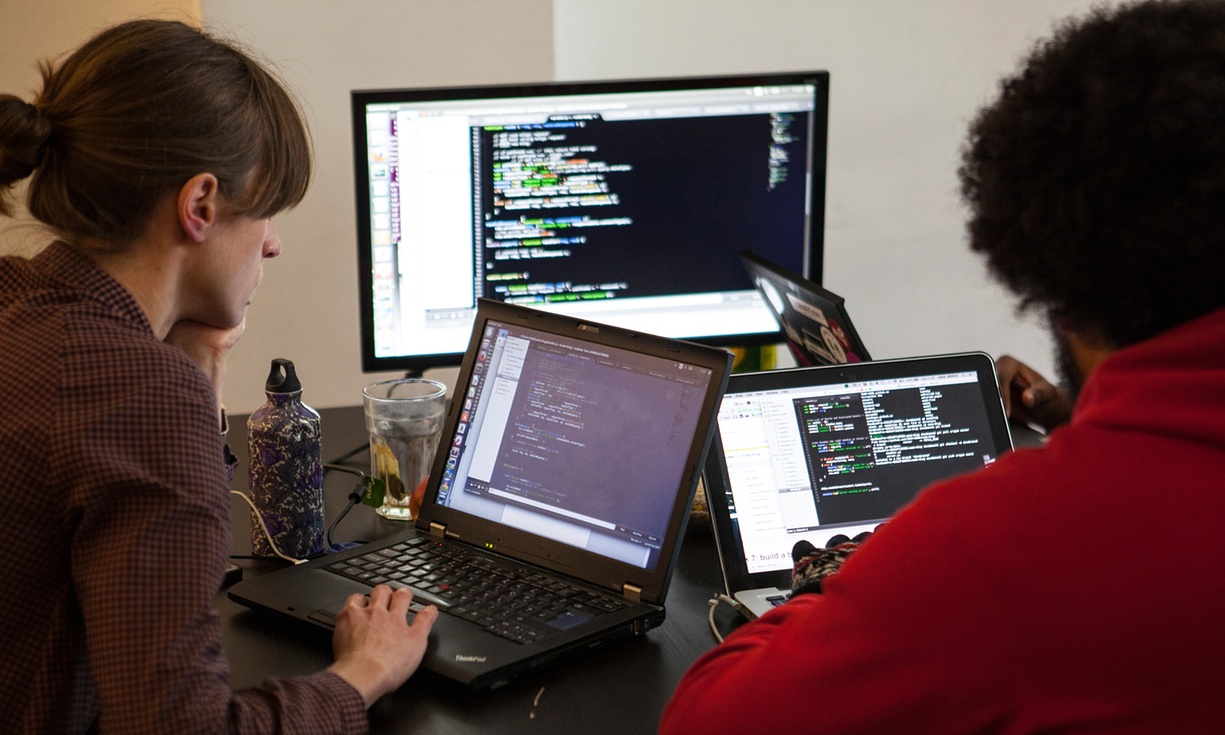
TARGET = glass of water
x,y
404,419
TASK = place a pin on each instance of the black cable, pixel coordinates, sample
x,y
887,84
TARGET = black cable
x,y
355,497
349,455
341,468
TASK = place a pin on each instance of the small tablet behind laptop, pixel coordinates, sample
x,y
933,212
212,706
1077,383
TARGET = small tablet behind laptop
x,y
814,320
820,452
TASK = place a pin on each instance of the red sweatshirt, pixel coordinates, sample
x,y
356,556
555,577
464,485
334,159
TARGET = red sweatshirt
x,y
1074,588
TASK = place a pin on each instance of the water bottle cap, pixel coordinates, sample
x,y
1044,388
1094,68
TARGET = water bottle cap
x,y
282,378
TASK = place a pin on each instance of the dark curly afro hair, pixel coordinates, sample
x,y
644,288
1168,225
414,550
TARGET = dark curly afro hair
x,y
1096,182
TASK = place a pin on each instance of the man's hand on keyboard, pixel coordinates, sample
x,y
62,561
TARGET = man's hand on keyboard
x,y
813,565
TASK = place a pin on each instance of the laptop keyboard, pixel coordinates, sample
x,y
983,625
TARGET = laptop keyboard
x,y
518,604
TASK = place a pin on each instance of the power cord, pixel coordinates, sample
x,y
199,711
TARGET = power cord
x,y
264,526
717,600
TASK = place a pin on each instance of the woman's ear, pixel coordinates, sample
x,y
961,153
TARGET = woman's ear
x,y
198,204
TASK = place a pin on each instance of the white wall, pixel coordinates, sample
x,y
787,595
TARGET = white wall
x,y
306,308
35,29
905,78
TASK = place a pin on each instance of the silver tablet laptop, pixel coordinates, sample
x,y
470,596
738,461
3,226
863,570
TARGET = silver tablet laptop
x,y
824,453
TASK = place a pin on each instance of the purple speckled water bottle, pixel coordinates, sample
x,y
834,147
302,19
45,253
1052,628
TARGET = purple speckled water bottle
x,y
284,437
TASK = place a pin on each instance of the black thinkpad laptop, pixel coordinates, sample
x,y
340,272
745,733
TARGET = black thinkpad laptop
x,y
554,511
827,453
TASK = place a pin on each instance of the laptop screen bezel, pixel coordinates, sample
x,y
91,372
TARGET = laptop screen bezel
x,y
715,479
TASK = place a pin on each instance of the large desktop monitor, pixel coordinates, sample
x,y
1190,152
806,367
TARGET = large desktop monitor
x,y
623,202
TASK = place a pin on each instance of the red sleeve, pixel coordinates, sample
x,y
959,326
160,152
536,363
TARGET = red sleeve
x,y
904,639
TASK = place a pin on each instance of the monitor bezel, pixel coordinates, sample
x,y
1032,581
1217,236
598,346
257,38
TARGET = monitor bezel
x,y
360,99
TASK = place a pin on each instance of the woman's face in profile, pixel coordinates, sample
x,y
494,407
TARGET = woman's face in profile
x,y
237,264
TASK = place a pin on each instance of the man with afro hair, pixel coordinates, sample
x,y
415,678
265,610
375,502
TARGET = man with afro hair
x,y
1076,587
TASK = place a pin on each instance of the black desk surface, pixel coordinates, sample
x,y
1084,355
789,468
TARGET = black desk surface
x,y
620,689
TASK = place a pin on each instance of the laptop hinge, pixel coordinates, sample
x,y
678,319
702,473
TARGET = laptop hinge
x,y
631,592
438,530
